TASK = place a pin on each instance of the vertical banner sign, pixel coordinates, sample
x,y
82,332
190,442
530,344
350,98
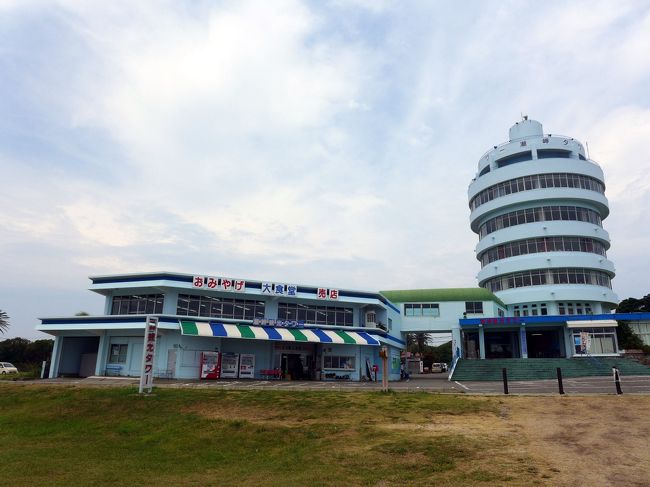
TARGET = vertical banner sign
x,y
148,353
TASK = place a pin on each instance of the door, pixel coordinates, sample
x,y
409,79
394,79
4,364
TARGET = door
x,y
171,363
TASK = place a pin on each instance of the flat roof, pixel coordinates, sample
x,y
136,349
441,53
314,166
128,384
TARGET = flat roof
x,y
515,320
445,294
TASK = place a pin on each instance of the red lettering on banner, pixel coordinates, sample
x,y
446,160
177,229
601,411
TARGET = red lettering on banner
x,y
334,294
322,293
226,284
198,281
212,283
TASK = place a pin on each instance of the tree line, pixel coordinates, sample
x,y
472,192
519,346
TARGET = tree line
x,y
25,354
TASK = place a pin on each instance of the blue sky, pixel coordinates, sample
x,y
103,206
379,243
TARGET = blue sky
x,y
315,142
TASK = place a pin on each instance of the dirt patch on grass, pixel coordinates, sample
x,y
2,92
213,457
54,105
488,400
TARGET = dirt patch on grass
x,y
591,440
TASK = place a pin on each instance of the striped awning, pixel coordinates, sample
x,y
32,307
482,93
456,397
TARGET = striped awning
x,y
313,335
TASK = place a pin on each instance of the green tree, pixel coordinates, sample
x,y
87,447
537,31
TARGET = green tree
x,y
633,305
417,342
25,353
4,322
627,339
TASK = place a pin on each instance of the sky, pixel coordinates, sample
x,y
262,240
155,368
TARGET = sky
x,y
327,142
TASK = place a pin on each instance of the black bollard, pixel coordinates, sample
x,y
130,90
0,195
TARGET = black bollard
x,y
505,380
617,380
559,381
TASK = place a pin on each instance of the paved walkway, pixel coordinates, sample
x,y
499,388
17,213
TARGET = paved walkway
x,y
418,383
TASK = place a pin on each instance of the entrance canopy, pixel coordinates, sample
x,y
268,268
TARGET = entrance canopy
x,y
592,324
313,335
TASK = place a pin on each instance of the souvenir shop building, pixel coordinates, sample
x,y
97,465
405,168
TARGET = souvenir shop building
x,y
228,328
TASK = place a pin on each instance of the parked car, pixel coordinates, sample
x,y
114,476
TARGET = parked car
x,y
439,367
7,368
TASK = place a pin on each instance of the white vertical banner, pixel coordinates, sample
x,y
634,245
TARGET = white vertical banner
x,y
148,353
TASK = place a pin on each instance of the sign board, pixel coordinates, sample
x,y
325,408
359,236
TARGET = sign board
x,y
279,289
148,353
219,283
246,366
324,293
278,323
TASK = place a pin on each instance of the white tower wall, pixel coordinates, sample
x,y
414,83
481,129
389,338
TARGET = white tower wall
x,y
537,204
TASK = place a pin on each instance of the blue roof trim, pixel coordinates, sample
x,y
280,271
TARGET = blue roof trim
x,y
105,319
151,277
552,319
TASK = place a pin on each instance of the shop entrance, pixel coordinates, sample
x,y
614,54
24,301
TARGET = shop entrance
x,y
502,344
544,344
295,360
470,344
293,366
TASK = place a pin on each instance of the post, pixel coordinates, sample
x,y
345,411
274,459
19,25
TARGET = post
x,y
504,373
148,353
43,365
617,380
559,380
383,353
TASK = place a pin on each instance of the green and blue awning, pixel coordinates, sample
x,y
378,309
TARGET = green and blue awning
x,y
310,335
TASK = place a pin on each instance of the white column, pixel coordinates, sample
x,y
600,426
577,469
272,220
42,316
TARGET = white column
x,y
101,354
56,355
481,342
457,342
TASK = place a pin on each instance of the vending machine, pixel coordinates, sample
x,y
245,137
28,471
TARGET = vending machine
x,y
246,366
210,365
229,365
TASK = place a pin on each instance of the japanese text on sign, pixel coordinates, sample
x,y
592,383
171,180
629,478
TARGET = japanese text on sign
x,y
324,293
278,323
219,283
279,289
148,353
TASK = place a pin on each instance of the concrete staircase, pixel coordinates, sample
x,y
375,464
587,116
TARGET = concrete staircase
x,y
540,368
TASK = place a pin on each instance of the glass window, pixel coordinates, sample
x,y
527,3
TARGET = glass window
x,y
137,304
474,307
218,307
117,353
319,315
339,362
422,309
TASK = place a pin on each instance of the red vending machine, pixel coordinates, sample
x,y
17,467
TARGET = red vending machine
x,y
210,365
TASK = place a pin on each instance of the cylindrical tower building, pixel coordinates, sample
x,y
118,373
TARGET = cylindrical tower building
x,y
537,205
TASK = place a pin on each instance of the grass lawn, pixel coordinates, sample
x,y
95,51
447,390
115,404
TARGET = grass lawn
x,y
111,436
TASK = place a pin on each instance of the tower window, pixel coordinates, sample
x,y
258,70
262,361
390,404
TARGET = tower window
x,y
553,153
515,158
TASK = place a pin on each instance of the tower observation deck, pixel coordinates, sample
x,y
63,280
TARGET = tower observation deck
x,y
537,204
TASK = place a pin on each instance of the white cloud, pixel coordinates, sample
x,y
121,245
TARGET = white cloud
x,y
317,143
